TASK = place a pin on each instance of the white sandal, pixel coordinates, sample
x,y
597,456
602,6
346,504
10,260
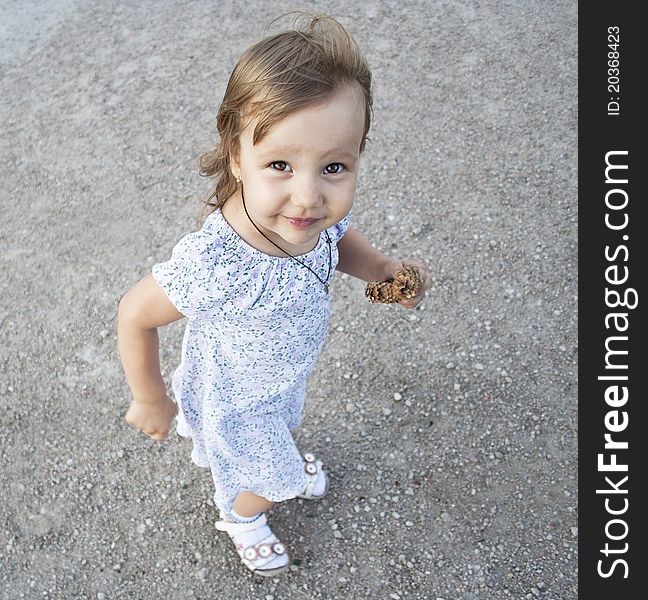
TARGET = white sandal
x,y
313,468
260,553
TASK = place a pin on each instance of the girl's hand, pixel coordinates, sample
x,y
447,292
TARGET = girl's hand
x,y
153,418
393,266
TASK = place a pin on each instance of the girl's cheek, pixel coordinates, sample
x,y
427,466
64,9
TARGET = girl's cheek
x,y
272,178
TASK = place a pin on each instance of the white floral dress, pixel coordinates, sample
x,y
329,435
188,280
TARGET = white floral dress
x,y
256,326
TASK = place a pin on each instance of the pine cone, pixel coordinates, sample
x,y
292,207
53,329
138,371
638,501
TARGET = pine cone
x,y
406,284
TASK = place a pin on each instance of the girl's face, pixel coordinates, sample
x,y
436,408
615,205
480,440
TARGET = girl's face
x,y
306,167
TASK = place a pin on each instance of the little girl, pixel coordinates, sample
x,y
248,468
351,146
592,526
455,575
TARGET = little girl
x,y
254,280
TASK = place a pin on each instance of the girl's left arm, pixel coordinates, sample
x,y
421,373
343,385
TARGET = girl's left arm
x,y
359,258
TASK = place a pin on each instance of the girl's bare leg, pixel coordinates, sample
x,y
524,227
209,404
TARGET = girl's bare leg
x,y
248,504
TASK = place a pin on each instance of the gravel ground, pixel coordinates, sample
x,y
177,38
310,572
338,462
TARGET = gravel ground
x,y
449,431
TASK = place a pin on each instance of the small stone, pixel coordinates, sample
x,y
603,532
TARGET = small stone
x,y
337,534
398,397
101,596
387,411
479,366
409,524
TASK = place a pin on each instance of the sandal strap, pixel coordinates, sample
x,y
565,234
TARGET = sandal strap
x,y
273,545
234,528
310,486
312,467
270,543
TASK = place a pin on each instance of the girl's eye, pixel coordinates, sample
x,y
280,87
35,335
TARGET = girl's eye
x,y
280,165
334,168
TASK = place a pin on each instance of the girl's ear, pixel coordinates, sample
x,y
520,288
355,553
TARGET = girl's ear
x,y
235,166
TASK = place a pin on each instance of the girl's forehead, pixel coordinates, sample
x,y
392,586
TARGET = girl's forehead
x,y
340,115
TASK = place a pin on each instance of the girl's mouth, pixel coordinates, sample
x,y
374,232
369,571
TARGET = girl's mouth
x,y
302,223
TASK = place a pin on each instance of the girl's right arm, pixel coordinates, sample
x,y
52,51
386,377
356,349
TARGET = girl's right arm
x,y
142,310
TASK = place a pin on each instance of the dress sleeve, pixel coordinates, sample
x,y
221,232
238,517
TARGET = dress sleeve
x,y
338,230
196,276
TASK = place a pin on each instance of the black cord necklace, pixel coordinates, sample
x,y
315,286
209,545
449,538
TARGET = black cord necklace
x,y
328,241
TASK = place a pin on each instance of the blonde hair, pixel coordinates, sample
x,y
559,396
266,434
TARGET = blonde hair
x,y
277,76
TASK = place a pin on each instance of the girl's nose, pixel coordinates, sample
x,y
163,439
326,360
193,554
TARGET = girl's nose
x,y
307,193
